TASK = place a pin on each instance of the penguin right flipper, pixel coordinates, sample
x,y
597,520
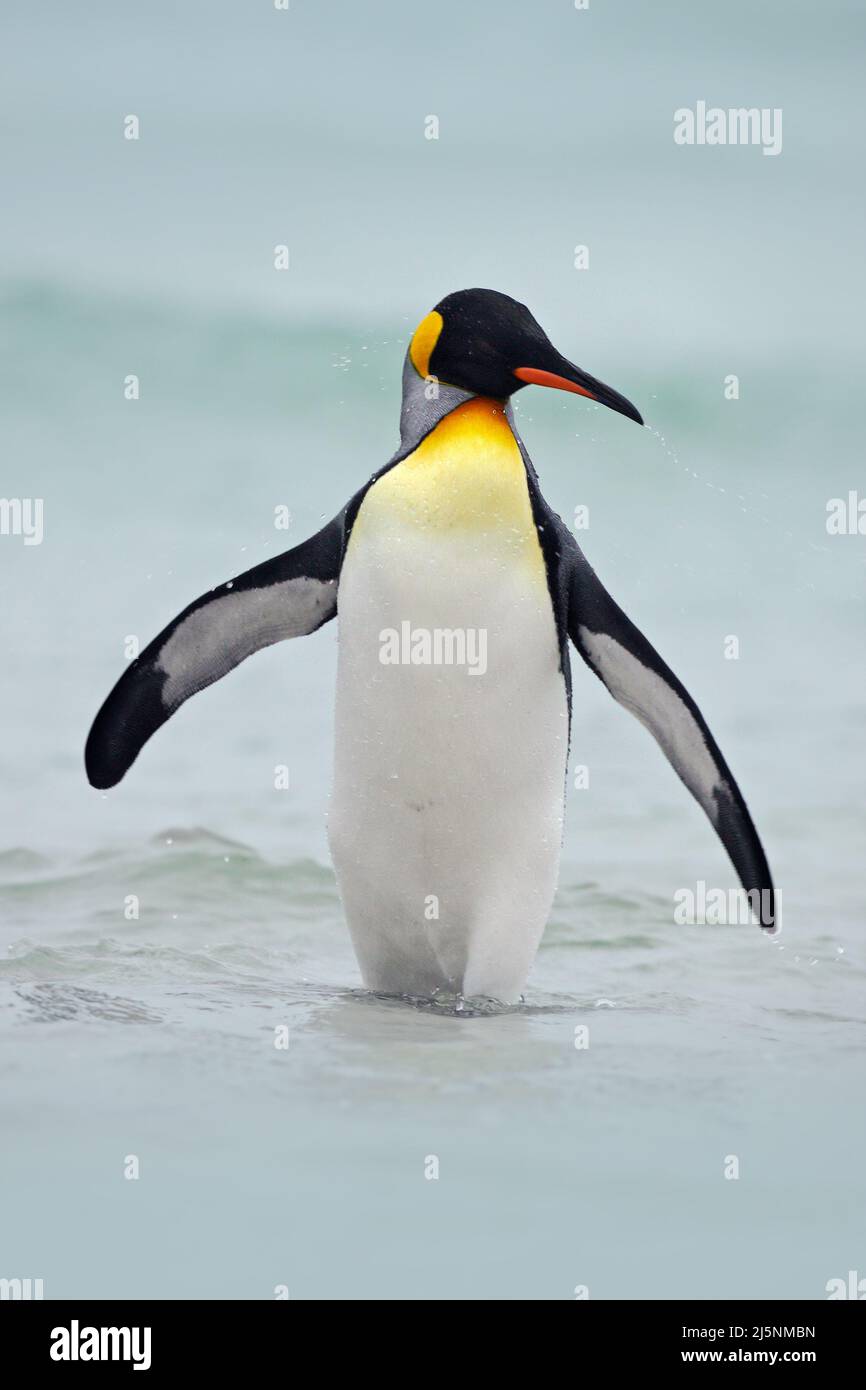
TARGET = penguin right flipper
x,y
288,596
634,673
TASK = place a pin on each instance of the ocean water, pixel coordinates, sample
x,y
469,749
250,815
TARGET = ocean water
x,y
600,1166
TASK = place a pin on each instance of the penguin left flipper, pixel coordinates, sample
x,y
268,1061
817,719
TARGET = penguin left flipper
x,y
634,673
288,596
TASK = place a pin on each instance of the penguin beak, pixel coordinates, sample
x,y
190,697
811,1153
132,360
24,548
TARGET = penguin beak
x,y
567,377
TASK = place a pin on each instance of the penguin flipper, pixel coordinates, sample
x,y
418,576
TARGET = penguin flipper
x,y
634,673
290,595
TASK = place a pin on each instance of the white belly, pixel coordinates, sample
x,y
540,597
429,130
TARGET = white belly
x,y
446,816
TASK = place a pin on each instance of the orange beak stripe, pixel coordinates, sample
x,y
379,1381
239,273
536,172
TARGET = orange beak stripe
x,y
537,378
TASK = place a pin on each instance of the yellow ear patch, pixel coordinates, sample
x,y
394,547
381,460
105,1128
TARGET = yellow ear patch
x,y
424,340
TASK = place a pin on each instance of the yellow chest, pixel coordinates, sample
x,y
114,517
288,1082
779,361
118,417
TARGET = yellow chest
x,y
466,478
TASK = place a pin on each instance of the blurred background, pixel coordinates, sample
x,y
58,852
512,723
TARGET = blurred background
x,y
260,389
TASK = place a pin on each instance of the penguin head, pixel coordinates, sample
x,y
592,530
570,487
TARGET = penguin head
x,y
487,343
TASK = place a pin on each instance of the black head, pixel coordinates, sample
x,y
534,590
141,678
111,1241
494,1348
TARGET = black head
x,y
485,342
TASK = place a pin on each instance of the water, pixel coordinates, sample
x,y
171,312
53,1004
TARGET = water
x,y
154,1036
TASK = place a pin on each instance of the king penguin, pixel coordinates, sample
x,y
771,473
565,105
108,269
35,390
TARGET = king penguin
x,y
446,816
